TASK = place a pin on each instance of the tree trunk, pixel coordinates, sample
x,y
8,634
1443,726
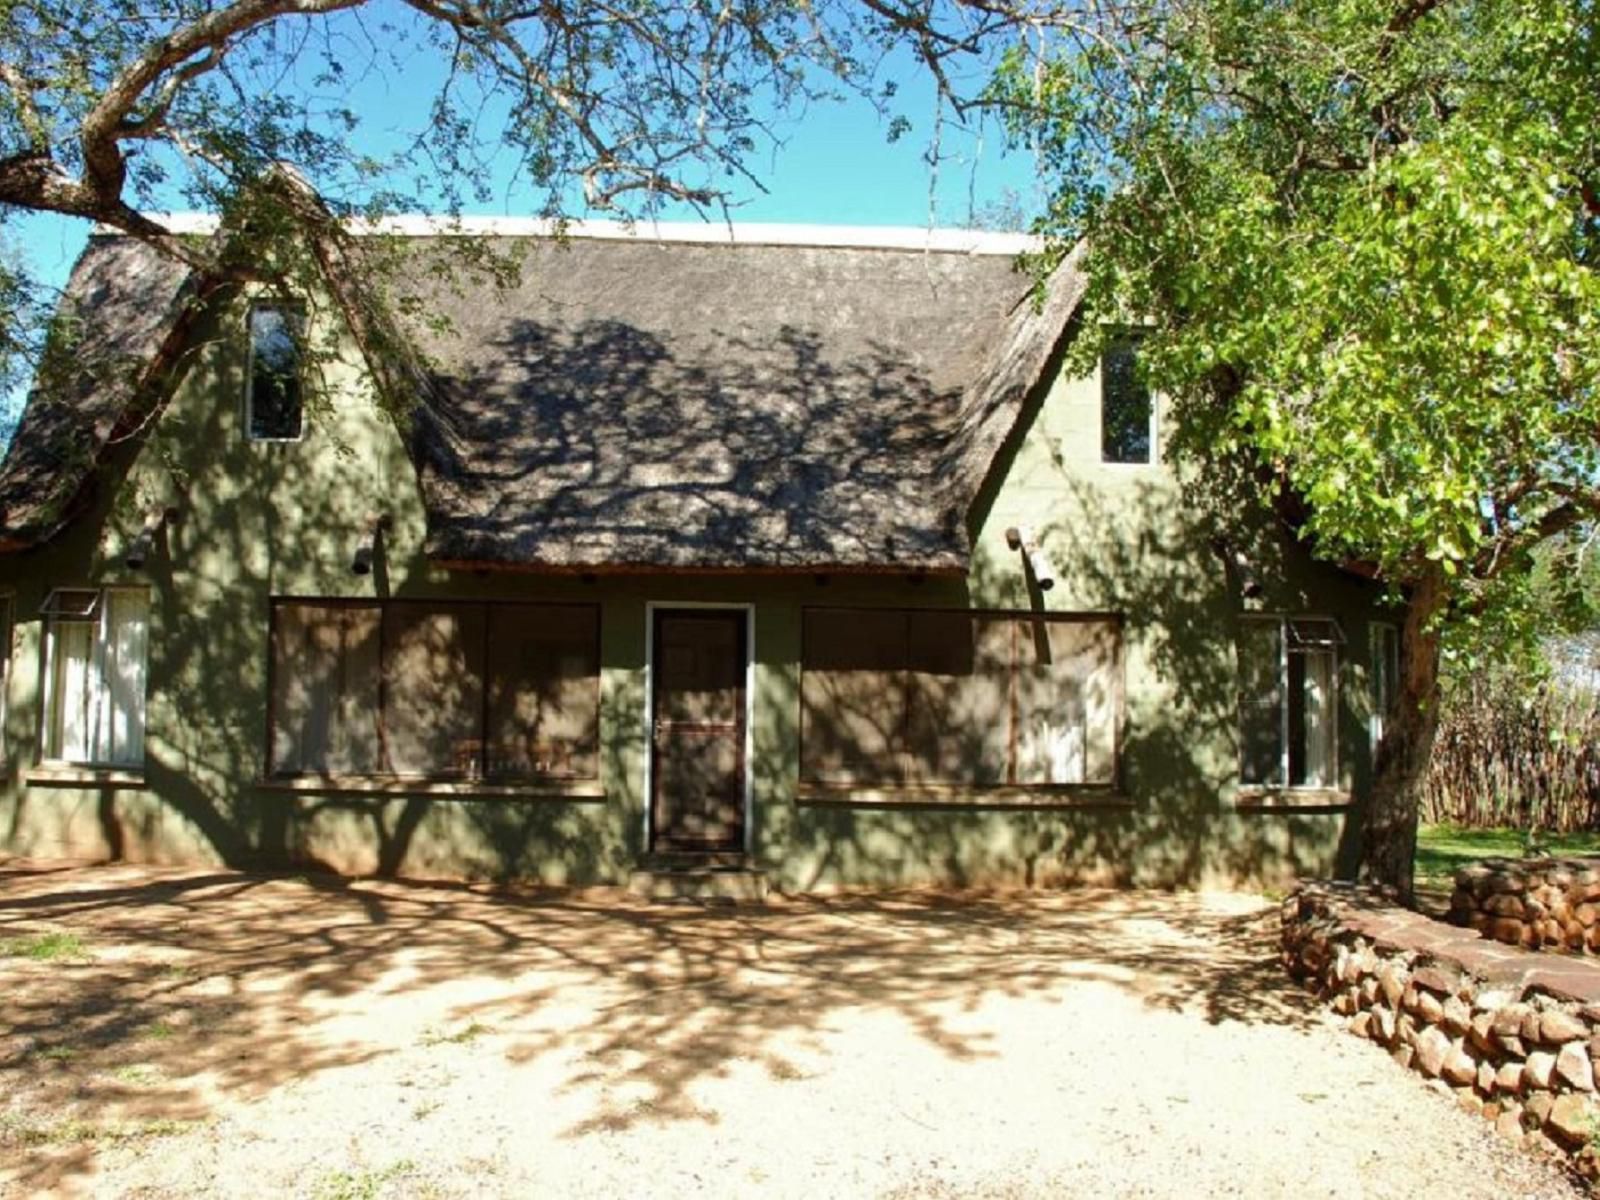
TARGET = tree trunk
x,y
1389,843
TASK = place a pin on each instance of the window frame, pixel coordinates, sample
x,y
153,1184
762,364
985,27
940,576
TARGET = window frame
x,y
101,615
1385,672
298,313
1128,340
1334,648
480,782
1007,793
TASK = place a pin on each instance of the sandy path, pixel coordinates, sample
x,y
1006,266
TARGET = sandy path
x,y
234,1035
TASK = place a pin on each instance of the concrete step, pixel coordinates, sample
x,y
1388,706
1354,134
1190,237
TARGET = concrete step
x,y
730,885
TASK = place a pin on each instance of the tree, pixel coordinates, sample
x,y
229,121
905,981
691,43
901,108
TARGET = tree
x,y
113,107
1364,234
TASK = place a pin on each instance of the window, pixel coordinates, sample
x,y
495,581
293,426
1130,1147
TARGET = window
x,y
1288,702
1385,676
95,665
1127,415
273,410
435,690
948,697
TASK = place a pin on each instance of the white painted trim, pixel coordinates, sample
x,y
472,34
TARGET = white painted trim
x,y
749,611
859,237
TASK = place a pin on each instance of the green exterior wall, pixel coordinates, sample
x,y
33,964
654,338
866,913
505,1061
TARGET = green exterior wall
x,y
259,520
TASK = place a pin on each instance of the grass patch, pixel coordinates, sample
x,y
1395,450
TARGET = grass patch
x,y
73,1132
360,1185
59,1053
461,1037
137,1074
1442,850
44,947
157,1031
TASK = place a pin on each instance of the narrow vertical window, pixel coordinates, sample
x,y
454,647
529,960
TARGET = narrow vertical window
x,y
273,408
1126,411
96,645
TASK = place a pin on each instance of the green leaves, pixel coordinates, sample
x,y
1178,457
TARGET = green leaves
x,y
1365,239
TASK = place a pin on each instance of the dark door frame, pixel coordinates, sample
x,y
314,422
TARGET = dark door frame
x,y
652,609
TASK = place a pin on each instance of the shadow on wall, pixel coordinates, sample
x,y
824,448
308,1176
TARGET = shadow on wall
x,y
222,985
1142,549
599,432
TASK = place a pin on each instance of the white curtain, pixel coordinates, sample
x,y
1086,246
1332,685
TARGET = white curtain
x,y
98,675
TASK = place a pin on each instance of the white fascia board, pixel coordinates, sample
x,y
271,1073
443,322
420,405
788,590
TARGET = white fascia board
x,y
862,237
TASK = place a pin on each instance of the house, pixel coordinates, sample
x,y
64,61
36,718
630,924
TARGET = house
x,y
786,547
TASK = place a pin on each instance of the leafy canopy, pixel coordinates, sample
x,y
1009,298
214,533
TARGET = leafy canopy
x,y
1365,233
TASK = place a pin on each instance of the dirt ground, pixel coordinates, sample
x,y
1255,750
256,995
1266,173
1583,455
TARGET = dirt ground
x,y
221,1034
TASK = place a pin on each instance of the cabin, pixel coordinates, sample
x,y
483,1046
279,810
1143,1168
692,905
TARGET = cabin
x,y
789,552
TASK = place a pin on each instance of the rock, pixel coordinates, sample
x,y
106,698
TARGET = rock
x,y
1459,1066
1468,1101
1504,905
1403,1055
1436,978
1537,1106
1392,978
1486,1078
1508,1020
1361,1024
1433,1048
1557,1027
1492,1000
1508,1078
1553,932
1539,1069
1344,966
1512,1045
1586,914
1573,1066
1457,1015
1383,1024
1482,1031
1530,1026
1572,1118
1367,993
1429,1010
1506,929
1345,1003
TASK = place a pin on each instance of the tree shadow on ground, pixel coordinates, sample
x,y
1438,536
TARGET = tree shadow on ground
x,y
197,991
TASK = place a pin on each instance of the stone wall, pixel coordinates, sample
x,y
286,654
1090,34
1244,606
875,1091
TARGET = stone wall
x,y
1538,903
1513,1035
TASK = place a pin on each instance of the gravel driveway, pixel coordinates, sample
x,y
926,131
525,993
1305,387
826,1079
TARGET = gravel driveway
x,y
213,1033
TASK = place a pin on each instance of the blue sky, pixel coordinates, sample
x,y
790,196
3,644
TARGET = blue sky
x,y
836,166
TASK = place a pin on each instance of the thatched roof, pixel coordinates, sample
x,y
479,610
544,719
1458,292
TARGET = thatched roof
x,y
699,406
124,305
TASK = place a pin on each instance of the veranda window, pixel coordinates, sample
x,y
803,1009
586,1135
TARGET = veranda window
x,y
1288,702
435,690
96,646
955,698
